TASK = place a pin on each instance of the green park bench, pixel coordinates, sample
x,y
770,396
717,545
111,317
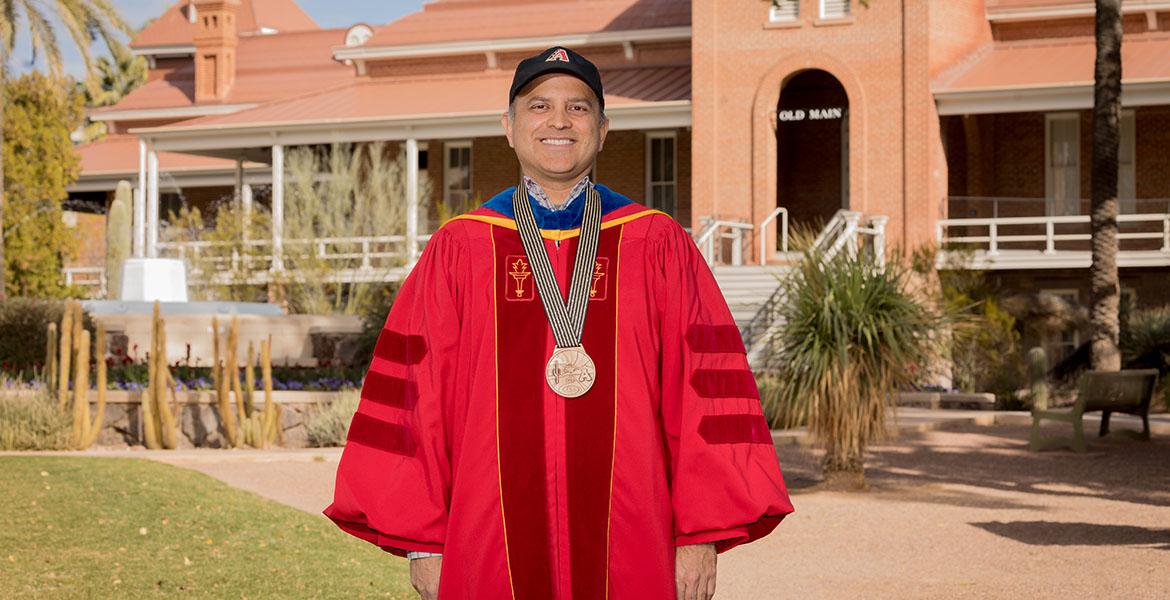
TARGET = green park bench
x,y
1125,391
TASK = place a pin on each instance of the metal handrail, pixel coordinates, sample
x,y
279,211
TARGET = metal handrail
x,y
706,239
782,232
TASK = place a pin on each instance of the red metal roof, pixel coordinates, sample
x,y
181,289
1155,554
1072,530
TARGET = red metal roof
x,y
467,20
118,154
267,67
174,27
1054,63
439,96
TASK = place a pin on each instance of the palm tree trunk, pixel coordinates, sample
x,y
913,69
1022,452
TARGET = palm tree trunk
x,y
1104,281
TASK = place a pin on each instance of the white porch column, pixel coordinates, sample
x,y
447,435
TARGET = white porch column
x,y
138,211
239,189
277,207
411,200
152,204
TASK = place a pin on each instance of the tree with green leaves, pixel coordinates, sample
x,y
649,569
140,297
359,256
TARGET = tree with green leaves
x,y
115,76
1104,280
39,163
85,21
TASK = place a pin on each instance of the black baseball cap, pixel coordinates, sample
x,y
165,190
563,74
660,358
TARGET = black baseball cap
x,y
557,59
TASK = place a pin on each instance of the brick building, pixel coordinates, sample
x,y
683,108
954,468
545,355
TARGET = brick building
x,y
962,123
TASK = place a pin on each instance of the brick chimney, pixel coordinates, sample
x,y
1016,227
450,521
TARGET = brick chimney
x,y
215,48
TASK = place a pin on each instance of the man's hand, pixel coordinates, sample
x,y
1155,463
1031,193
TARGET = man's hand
x,y
694,572
424,576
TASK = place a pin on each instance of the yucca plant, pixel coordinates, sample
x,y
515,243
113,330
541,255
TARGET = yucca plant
x,y
854,334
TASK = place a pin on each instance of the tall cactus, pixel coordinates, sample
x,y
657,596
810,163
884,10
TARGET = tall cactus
x,y
219,375
118,233
1037,377
51,357
100,355
80,429
66,355
167,421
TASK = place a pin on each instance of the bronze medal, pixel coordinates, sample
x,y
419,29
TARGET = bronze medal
x,y
569,372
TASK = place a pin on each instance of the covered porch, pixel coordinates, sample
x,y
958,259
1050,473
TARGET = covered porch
x,y
1016,127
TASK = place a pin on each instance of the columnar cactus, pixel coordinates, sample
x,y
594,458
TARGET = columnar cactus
x,y
100,355
167,420
118,233
219,376
51,357
81,423
1037,377
66,355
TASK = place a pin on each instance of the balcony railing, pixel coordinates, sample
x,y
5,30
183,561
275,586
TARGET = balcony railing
x,y
1010,238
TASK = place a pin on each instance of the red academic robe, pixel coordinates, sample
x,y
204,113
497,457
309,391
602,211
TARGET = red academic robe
x,y
459,446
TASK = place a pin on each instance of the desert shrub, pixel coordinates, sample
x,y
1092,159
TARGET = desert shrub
x,y
1145,344
23,334
327,425
781,411
854,333
29,419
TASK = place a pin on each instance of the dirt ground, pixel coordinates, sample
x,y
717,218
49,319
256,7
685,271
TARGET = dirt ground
x,y
965,512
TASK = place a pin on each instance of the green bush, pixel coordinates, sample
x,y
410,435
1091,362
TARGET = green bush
x,y
328,424
29,420
23,324
1145,344
855,332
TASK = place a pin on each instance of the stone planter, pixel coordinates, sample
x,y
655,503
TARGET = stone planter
x,y
951,400
199,422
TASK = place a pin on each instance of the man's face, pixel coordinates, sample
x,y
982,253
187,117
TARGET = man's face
x,y
557,131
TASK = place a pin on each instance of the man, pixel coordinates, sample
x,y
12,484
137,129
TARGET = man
x,y
559,404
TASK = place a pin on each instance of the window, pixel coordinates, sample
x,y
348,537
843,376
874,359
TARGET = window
x,y
1126,157
834,9
457,173
1059,344
1063,164
784,11
661,173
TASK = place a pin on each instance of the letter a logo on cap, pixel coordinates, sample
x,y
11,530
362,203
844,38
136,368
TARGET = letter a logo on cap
x,y
560,55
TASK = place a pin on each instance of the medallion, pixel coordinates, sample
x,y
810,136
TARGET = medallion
x,y
570,371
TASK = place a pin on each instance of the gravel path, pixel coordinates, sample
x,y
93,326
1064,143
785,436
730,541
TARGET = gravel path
x,y
962,512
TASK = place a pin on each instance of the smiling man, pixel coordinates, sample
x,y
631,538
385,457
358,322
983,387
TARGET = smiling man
x,y
559,404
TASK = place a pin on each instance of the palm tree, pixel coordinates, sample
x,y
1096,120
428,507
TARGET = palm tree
x,y
114,77
85,20
1104,281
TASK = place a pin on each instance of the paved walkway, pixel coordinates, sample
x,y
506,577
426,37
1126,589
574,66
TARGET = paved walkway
x,y
958,508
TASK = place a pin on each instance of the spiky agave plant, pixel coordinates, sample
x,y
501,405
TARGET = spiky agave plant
x,y
854,334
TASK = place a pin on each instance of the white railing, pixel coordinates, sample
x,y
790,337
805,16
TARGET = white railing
x,y
86,277
843,232
1047,242
722,231
781,232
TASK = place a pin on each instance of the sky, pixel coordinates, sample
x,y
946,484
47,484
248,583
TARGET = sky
x,y
327,13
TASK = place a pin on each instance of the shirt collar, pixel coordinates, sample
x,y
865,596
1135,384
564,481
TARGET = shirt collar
x,y
537,193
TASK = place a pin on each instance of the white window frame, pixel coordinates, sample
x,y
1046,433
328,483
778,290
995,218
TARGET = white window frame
x,y
777,14
844,11
1051,206
447,169
672,183
1127,186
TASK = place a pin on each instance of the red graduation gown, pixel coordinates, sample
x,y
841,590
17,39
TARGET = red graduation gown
x,y
458,445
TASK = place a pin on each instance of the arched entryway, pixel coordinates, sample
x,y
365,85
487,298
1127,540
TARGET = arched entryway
x,y
812,147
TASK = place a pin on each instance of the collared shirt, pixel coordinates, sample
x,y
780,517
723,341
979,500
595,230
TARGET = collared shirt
x,y
537,193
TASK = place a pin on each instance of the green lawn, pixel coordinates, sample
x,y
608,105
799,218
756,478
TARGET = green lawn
x,y
91,527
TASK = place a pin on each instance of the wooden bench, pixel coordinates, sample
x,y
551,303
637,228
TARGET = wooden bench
x,y
1125,391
